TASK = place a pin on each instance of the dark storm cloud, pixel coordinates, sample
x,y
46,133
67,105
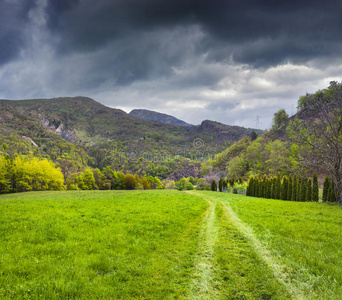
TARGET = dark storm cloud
x,y
14,16
259,33
218,59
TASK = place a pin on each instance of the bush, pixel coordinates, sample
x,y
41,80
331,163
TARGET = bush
x,y
129,182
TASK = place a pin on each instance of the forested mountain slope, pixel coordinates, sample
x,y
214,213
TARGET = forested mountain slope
x,y
79,132
308,142
88,122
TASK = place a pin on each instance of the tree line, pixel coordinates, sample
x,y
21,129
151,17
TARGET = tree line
x,y
108,179
291,188
285,188
24,174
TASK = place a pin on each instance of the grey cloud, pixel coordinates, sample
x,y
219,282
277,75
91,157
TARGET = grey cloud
x,y
260,33
14,17
195,59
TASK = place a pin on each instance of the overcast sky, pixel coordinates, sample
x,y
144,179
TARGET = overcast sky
x,y
223,60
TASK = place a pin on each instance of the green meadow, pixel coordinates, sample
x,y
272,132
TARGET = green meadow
x,y
167,245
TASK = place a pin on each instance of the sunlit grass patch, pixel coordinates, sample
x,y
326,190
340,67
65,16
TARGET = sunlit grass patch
x,y
98,244
304,237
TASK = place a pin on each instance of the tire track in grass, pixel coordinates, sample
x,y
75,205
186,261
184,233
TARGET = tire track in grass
x,y
202,282
278,269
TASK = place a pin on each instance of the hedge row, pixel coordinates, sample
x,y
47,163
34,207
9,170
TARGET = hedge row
x,y
285,188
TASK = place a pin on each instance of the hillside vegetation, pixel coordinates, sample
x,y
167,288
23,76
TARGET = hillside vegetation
x,y
156,116
79,132
309,142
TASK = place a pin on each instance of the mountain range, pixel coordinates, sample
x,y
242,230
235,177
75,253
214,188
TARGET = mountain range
x,y
79,132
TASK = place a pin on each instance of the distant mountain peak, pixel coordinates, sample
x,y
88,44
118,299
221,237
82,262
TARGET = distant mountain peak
x,y
156,116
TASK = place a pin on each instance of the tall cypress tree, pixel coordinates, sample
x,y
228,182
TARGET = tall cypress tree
x,y
289,190
299,184
221,184
267,192
315,190
308,195
294,189
225,185
284,188
269,184
251,189
278,187
273,188
261,186
326,186
213,185
302,190
332,191
251,186
248,187
264,187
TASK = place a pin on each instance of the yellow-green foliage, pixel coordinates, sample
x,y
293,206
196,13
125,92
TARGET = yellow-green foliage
x,y
24,174
262,156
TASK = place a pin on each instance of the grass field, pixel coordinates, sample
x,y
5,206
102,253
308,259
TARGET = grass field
x,y
167,245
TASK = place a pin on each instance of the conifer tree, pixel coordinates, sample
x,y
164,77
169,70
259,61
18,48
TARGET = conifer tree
x,y
269,188
248,188
273,187
253,182
294,189
315,190
261,188
308,195
284,188
326,186
289,189
302,190
332,191
252,189
256,187
221,184
278,187
298,188
213,185
299,198
265,186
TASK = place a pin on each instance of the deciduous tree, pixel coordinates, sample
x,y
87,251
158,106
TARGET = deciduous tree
x,y
318,128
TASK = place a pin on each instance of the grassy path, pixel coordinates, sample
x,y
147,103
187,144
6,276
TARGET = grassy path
x,y
299,242
202,286
280,270
231,263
